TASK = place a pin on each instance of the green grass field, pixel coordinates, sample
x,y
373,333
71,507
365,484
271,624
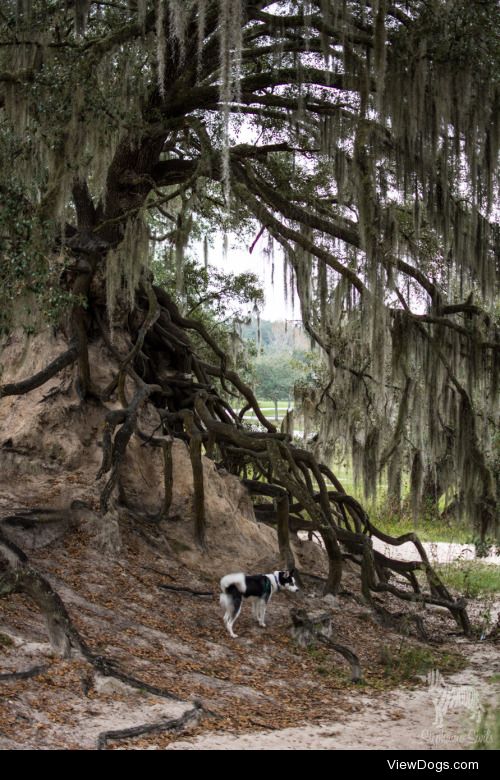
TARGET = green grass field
x,y
472,578
268,403
429,529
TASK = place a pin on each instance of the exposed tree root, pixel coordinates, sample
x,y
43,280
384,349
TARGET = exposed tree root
x,y
114,450
190,591
175,726
167,475
302,622
16,575
280,509
401,622
304,494
37,380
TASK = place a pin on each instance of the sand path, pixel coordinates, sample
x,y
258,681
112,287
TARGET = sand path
x,y
403,720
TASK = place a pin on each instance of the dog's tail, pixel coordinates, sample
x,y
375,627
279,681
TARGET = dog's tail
x,y
226,602
231,582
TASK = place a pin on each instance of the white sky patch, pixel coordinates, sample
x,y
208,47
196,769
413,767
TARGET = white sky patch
x,y
239,260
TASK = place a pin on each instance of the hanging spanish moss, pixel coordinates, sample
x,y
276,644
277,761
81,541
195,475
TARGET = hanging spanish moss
x,y
161,44
205,252
372,162
428,95
394,482
125,265
380,11
236,345
178,19
24,10
256,311
202,20
230,46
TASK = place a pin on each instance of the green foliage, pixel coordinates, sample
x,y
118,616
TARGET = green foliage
x,y
31,269
226,296
429,528
409,662
472,578
275,379
284,359
327,667
486,546
30,272
311,372
217,299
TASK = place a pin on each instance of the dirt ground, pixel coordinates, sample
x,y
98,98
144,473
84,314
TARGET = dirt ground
x,y
404,719
259,691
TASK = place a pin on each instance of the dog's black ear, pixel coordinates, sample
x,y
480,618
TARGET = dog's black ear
x,y
292,572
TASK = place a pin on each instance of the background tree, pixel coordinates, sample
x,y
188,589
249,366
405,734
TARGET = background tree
x,y
283,358
274,379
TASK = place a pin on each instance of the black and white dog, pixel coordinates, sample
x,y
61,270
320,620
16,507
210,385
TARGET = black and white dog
x,y
236,587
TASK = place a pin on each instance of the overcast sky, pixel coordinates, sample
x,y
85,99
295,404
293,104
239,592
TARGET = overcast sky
x,y
239,260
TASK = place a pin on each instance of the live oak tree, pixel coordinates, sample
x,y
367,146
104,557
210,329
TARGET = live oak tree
x,y
362,137
275,379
